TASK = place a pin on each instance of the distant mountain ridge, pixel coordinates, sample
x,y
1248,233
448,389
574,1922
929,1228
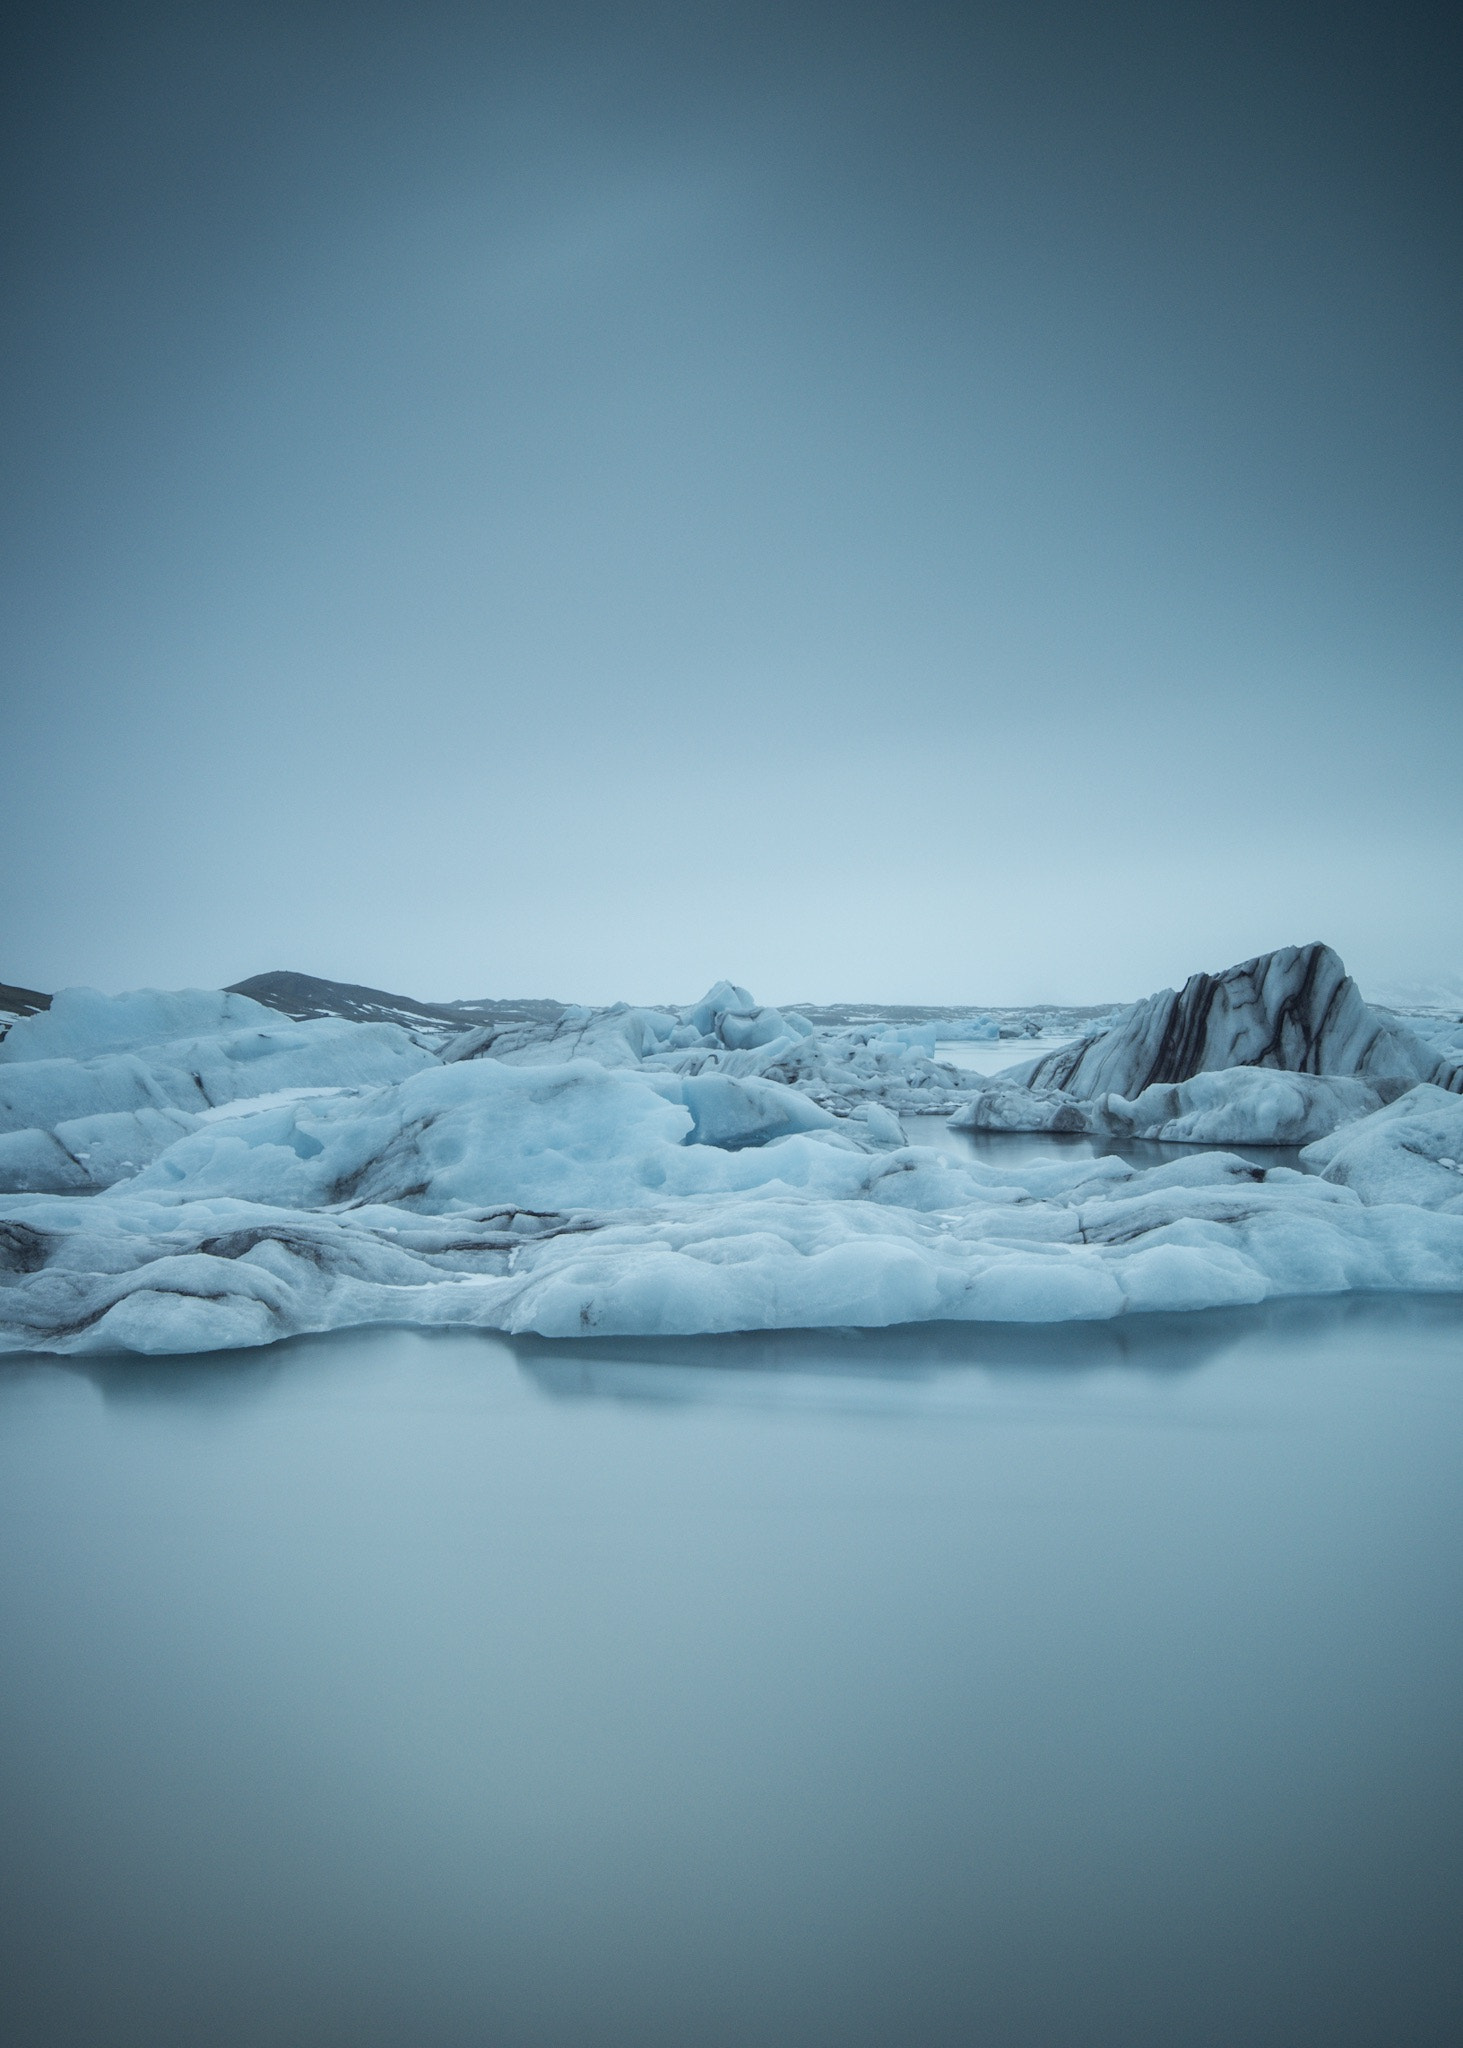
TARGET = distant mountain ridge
x,y
22,1002
311,995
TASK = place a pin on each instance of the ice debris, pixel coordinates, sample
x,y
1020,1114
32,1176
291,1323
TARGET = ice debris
x,y
196,1171
1237,1106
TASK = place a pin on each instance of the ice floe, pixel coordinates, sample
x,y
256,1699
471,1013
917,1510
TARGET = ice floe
x,y
797,1233
194,1171
1411,1151
1236,1106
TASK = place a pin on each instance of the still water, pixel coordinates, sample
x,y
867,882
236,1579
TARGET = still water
x,y
949,1686
994,1056
1011,1149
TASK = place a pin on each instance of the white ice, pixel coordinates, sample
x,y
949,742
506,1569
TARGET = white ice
x,y
1412,1152
1236,1106
235,1185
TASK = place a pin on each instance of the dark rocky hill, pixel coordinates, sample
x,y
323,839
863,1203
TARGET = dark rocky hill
x,y
310,995
22,1002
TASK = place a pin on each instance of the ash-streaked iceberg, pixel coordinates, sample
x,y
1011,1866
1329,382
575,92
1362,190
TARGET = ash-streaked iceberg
x,y
1279,1050
1296,1010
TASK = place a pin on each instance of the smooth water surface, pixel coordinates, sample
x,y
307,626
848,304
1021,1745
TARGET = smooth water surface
x,y
1012,1149
995,1055
1093,1686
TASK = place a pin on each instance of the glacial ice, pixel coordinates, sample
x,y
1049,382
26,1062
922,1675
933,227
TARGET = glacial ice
x,y
1296,1009
1005,1106
82,1022
1279,1050
188,1172
796,1233
727,1032
84,1153
969,1031
1411,1151
78,1060
1235,1106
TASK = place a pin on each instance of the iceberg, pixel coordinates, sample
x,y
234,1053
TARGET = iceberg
x,y
1244,1106
90,1054
186,1172
1001,1107
1296,1009
85,1153
81,1023
843,1070
1203,1066
969,1030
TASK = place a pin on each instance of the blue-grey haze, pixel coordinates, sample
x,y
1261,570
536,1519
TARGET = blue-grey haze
x,y
926,502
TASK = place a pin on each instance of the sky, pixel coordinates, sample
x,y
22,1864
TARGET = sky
x,y
905,503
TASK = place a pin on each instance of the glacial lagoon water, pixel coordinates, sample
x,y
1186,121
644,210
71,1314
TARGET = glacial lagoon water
x,y
932,1686
1011,1149
994,1056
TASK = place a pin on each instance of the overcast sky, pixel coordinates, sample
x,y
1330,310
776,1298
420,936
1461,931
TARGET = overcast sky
x,y
902,502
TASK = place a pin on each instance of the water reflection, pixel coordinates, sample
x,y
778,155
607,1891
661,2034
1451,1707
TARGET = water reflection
x,y
900,1367
997,1056
1013,1149
400,1688
946,1366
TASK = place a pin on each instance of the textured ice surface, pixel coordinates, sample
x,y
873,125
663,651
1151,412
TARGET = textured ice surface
x,y
1236,1106
1004,1105
1243,1106
968,1030
1411,1151
84,1153
231,1186
793,1234
1295,1009
91,1056
82,1022
1280,1050
841,1069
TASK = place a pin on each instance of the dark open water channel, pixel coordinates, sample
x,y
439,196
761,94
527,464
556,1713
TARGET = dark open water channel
x,y
950,1686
